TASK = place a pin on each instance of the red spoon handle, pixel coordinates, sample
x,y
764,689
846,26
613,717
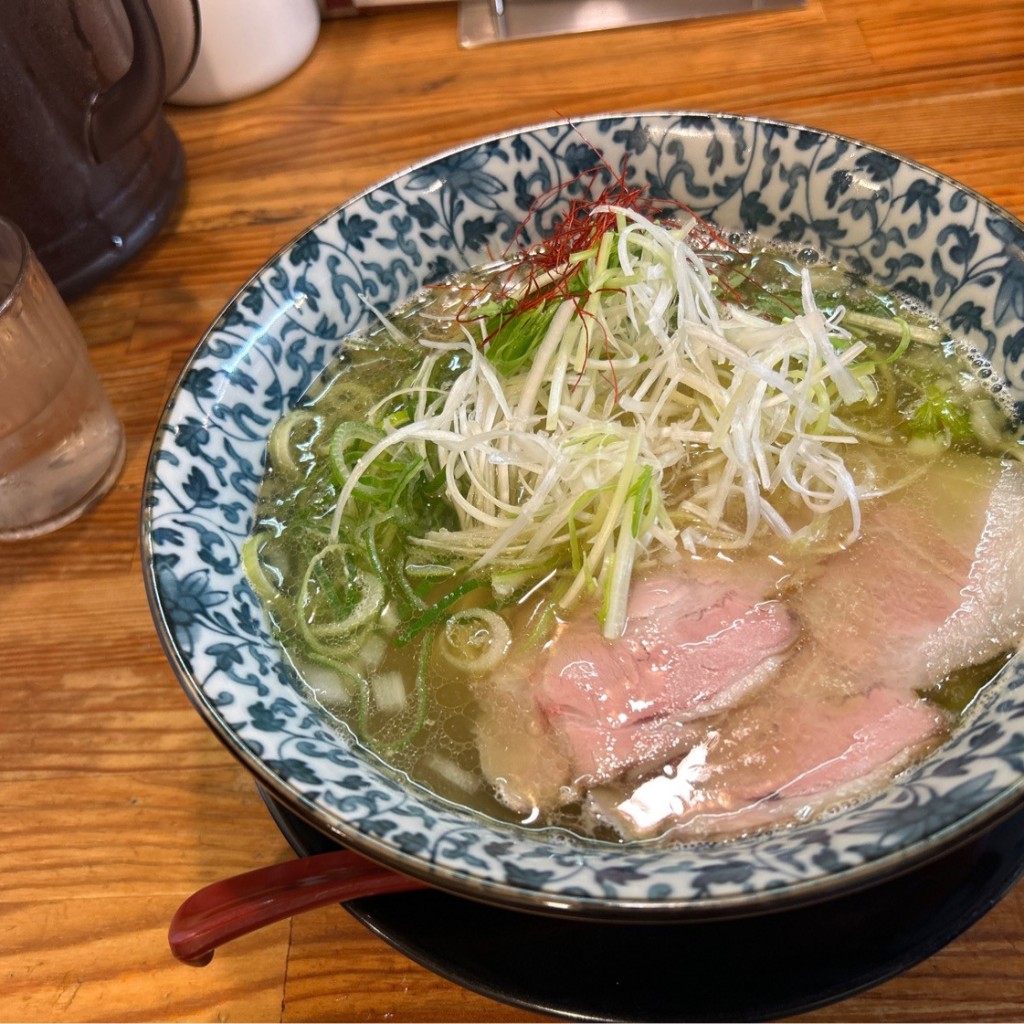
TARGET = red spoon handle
x,y
242,904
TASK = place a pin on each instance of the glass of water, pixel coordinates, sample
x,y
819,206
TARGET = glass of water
x,y
61,444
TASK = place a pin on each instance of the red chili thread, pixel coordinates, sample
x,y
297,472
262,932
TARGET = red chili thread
x,y
581,228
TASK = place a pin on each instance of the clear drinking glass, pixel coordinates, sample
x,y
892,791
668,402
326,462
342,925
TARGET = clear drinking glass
x,y
61,444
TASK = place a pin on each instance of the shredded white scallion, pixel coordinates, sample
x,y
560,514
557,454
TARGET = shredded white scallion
x,y
653,416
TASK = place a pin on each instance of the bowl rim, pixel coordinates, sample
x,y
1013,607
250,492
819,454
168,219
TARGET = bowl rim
x,y
450,879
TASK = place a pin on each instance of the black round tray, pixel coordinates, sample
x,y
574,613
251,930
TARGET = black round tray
x,y
750,969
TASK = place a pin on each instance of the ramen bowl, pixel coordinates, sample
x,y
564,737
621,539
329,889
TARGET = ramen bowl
x,y
901,224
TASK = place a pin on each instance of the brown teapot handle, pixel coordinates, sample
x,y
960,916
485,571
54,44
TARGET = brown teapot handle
x,y
118,113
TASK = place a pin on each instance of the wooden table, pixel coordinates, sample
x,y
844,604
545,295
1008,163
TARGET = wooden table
x,y
118,801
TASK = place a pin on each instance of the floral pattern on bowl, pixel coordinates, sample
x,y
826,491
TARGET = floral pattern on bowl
x,y
906,226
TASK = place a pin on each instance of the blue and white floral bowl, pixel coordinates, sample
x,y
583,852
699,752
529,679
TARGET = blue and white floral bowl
x,y
897,221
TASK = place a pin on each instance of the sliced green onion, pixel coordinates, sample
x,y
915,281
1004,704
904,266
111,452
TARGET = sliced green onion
x,y
475,640
346,438
280,447
436,612
361,593
253,568
896,327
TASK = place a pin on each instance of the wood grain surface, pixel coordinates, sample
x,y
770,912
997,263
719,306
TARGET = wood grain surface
x,y
117,801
